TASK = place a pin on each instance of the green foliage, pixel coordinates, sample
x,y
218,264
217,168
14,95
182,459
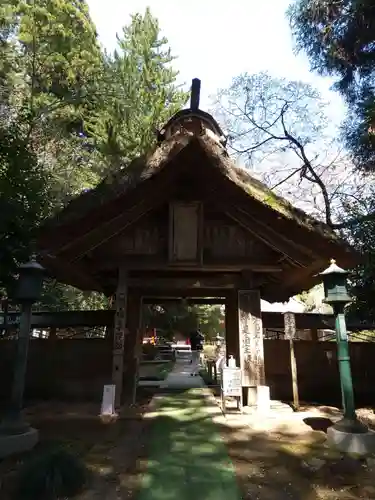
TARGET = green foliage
x,y
49,57
180,317
23,201
57,55
211,320
139,93
361,280
50,475
68,114
359,130
339,39
59,297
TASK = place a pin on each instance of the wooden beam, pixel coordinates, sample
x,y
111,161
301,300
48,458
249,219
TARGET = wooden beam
x,y
174,300
279,236
67,272
65,319
232,335
272,239
89,241
182,283
267,218
146,264
188,293
297,279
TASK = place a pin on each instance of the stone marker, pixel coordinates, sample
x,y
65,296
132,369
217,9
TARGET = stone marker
x,y
108,402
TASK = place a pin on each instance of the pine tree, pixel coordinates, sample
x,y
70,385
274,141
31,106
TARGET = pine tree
x,y
139,92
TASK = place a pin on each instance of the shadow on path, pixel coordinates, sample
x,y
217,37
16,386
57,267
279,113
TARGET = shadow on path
x,y
187,457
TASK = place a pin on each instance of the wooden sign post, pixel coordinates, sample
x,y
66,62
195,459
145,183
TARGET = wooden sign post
x,y
231,386
290,334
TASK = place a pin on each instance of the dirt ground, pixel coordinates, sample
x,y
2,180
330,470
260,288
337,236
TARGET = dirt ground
x,y
111,451
288,458
280,458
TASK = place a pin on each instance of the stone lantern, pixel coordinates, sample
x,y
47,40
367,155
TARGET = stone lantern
x,y
16,434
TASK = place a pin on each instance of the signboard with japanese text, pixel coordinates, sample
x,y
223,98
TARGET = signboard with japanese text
x,y
231,382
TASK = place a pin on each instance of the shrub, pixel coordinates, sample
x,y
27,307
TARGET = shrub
x,y
53,474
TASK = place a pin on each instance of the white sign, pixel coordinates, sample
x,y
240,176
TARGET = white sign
x,y
108,402
232,382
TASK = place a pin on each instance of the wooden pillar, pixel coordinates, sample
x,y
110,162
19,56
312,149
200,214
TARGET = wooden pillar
x,y
52,361
131,342
251,348
120,333
52,333
232,339
314,334
290,334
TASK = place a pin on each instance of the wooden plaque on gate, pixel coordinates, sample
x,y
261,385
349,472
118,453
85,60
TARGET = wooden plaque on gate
x,y
251,338
290,325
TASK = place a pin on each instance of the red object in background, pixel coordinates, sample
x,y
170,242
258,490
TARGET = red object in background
x,y
187,341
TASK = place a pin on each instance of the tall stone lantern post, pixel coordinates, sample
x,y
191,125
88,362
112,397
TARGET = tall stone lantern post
x,y
16,434
348,434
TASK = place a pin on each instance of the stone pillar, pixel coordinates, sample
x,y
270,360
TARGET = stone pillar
x,y
232,338
251,350
119,335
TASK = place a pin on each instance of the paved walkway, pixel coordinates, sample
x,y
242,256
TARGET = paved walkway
x,y
180,377
187,458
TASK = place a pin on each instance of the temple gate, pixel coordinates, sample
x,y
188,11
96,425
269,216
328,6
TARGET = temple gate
x,y
184,222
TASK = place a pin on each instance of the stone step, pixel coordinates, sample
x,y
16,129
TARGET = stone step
x,y
276,408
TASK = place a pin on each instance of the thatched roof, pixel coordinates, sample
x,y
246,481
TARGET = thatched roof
x,y
144,167
92,209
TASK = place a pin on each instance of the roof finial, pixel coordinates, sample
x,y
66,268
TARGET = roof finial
x,y
195,94
333,262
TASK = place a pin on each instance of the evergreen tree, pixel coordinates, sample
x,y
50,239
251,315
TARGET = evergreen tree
x,y
48,63
339,38
139,93
24,202
68,112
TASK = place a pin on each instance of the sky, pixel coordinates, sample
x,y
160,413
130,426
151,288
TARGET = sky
x,y
216,41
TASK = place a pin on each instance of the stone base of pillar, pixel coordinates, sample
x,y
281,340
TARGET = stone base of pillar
x,y
258,396
263,399
12,444
250,396
353,443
